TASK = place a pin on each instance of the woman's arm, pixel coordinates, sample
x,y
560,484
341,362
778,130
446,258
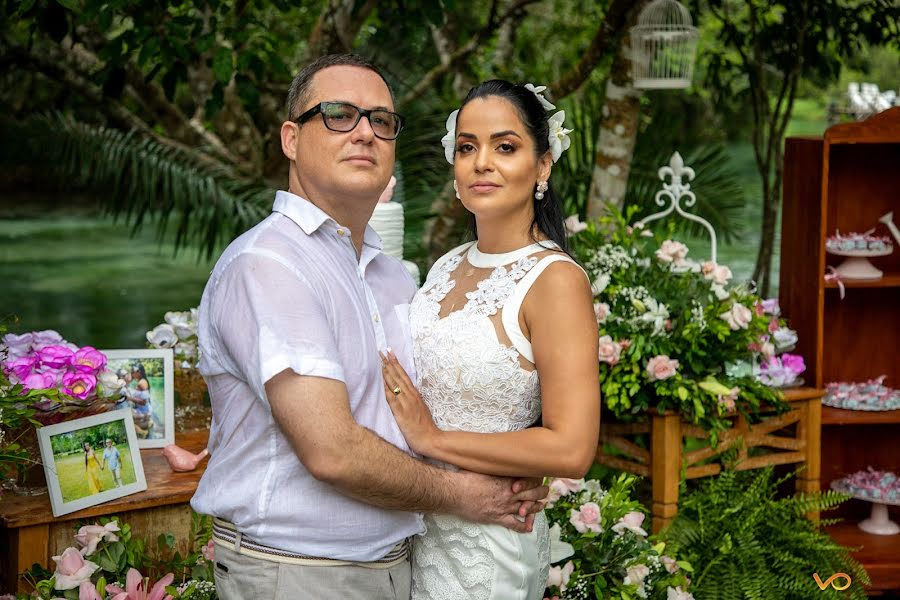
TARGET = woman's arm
x,y
559,319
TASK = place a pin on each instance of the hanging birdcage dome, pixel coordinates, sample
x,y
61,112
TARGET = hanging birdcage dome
x,y
664,44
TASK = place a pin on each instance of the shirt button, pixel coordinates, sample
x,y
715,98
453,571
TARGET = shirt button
x,y
375,317
340,232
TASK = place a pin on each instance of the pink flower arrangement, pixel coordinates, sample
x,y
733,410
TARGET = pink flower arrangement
x,y
43,360
783,370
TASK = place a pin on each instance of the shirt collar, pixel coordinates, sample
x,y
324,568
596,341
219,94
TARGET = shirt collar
x,y
310,217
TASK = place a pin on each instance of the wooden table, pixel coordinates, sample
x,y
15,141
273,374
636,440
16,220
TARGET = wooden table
x,y
792,437
29,533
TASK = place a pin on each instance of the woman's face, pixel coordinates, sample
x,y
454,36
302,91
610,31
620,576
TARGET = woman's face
x,y
495,164
87,446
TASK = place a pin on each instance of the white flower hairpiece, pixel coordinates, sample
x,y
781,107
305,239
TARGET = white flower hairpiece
x,y
449,140
536,90
559,135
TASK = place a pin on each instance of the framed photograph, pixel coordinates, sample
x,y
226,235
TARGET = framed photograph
x,y
147,378
91,460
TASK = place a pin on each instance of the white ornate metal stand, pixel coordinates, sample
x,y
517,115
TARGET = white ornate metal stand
x,y
674,192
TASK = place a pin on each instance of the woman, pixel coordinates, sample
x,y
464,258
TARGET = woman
x,y
505,342
138,393
92,469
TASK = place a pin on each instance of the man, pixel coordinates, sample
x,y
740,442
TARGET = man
x,y
314,488
112,460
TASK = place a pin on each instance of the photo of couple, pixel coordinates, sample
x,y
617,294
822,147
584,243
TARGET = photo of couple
x,y
143,393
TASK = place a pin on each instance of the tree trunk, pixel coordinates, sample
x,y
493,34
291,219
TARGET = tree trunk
x,y
444,230
763,268
337,27
617,136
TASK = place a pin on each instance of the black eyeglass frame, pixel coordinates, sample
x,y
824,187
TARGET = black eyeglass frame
x,y
319,109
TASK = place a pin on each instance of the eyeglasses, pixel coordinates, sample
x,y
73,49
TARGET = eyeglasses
x,y
343,117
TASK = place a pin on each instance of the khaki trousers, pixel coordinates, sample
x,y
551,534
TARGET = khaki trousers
x,y
242,577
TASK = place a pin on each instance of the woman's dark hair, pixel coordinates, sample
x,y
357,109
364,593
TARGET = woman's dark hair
x,y
139,367
548,215
83,449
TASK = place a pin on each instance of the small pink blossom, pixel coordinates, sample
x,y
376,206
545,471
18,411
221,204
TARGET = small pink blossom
x,y
672,252
636,574
625,344
91,535
773,325
559,576
574,225
661,367
669,563
718,274
136,588
678,594
79,385
72,569
56,356
209,551
601,311
729,402
630,522
586,517
738,317
609,350
89,359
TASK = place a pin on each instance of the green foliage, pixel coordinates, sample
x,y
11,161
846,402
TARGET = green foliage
x,y
600,560
138,178
746,543
662,309
116,554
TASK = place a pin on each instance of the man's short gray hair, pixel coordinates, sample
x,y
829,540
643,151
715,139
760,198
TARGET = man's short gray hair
x,y
301,86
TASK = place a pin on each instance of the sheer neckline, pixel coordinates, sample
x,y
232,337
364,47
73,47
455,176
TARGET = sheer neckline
x,y
483,260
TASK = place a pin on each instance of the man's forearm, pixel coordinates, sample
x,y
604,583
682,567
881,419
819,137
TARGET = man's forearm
x,y
381,474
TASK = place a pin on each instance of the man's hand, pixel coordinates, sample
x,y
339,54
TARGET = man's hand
x,y
501,500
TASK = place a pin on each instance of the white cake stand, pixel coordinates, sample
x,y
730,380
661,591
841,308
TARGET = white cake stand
x,y
857,265
878,523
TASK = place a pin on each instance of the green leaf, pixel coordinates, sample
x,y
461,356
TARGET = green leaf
x,y
223,65
682,393
73,5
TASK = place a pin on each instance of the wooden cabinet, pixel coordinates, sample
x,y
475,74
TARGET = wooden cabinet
x,y
845,181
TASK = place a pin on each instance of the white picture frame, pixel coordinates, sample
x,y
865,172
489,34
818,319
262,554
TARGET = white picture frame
x,y
155,424
73,484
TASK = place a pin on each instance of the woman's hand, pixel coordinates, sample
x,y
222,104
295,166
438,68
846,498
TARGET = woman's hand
x,y
409,410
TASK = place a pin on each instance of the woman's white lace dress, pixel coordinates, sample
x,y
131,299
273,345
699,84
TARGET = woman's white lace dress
x,y
476,373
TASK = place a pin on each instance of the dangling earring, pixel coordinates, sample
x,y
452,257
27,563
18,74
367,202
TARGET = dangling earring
x,y
542,187
456,189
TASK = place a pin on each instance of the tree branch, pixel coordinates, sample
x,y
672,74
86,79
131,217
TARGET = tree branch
x,y
463,52
610,30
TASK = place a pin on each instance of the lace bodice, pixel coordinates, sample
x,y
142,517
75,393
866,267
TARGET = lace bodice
x,y
468,377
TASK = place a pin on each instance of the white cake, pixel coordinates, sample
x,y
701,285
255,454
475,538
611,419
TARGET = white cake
x,y
387,221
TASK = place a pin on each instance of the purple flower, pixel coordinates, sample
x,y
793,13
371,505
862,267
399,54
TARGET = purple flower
x,y
78,384
56,356
89,360
793,363
48,337
20,368
771,307
38,381
17,346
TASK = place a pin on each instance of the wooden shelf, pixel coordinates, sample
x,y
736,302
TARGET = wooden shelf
x,y
888,281
841,416
879,554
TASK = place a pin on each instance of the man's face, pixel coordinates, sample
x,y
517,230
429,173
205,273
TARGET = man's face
x,y
109,443
331,164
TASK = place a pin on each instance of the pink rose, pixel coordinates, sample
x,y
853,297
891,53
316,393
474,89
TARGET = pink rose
x,y
672,252
38,381
91,535
567,486
636,574
793,363
21,367
209,551
601,311
586,517
609,350
669,563
718,274
661,367
738,317
56,357
559,576
89,359
72,569
630,522
78,385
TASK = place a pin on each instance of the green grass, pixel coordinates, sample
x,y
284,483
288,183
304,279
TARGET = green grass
x,y
72,476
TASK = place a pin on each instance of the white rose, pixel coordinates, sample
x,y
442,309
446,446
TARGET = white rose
x,y
177,318
719,291
784,338
185,349
672,251
185,330
110,383
162,336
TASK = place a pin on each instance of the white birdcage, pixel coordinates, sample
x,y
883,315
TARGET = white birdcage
x,y
664,46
